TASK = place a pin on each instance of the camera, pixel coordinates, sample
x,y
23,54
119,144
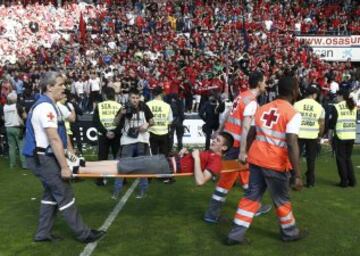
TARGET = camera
x,y
213,101
133,132
129,111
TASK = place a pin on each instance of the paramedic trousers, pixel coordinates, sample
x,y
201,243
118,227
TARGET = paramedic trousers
x,y
278,185
57,196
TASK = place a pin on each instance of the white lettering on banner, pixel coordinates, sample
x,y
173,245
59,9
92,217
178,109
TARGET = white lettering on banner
x,y
331,41
341,48
338,54
193,132
92,134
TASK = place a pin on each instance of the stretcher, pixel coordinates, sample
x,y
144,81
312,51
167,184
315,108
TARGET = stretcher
x,y
227,167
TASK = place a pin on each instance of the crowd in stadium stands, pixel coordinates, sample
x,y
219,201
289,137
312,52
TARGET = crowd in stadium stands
x,y
192,48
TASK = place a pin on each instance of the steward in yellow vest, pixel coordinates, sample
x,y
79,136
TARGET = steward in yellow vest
x,y
312,116
311,129
343,121
345,128
159,131
108,132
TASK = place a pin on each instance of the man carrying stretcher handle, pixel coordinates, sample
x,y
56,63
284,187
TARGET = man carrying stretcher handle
x,y
204,164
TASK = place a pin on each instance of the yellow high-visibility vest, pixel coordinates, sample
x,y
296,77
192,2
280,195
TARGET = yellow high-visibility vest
x,y
161,111
107,112
346,122
310,111
68,128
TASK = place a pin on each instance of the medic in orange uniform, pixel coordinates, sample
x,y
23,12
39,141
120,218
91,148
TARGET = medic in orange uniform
x,y
273,153
237,124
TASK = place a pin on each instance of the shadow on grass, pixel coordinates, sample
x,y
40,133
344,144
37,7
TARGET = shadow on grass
x,y
323,181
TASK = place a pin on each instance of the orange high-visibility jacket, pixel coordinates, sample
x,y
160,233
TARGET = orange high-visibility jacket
x,y
233,124
269,149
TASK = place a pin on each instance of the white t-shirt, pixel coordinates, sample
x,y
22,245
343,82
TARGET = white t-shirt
x,y
79,87
251,108
294,125
268,24
94,84
64,111
44,116
334,87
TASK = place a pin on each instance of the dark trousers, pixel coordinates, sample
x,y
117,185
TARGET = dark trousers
x,y
133,150
57,196
179,129
157,164
159,144
104,147
76,138
310,146
343,151
208,138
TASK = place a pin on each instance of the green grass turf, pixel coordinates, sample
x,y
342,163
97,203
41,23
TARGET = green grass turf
x,y
169,220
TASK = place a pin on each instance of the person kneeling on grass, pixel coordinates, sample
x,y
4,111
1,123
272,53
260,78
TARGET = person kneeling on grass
x,y
204,164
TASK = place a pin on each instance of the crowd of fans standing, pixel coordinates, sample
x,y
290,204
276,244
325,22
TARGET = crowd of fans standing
x,y
195,50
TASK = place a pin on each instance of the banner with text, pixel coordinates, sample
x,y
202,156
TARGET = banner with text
x,y
334,48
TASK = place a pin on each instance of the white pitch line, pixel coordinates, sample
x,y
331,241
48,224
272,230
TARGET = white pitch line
x,y
89,248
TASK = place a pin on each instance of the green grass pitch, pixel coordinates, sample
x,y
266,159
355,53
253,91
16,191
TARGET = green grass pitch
x,y
168,221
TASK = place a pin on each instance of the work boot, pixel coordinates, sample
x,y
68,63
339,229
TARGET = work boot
x,y
51,238
212,215
302,234
231,242
263,210
93,236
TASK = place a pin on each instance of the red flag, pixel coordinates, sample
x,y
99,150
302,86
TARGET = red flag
x,y
82,29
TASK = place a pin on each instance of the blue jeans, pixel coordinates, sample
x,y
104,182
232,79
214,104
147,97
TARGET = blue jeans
x,y
133,150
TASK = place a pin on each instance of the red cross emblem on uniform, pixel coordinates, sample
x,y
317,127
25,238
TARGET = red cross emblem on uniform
x,y
270,118
50,116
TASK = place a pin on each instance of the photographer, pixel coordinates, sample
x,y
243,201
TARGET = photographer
x,y
135,119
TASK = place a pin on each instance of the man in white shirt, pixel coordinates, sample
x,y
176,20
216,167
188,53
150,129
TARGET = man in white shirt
x,y
334,87
14,128
95,88
44,147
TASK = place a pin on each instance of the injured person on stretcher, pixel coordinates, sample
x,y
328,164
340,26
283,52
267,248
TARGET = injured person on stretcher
x,y
204,164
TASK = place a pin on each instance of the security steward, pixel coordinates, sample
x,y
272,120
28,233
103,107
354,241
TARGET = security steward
x,y
108,135
311,129
45,142
159,131
342,129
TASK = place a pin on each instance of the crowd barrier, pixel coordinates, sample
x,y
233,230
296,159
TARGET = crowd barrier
x,y
192,124
193,130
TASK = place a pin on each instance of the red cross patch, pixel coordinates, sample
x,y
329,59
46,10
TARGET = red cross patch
x,y
235,104
50,116
270,118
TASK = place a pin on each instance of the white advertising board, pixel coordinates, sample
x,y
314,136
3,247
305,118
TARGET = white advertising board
x,y
334,48
193,132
